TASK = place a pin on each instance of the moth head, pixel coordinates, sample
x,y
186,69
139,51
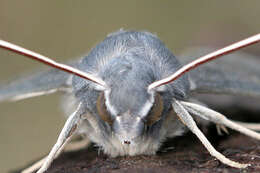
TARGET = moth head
x,y
129,112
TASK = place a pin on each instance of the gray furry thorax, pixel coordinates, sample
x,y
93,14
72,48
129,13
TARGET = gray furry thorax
x,y
123,52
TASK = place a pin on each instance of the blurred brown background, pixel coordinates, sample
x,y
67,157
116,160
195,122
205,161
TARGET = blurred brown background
x,y
66,29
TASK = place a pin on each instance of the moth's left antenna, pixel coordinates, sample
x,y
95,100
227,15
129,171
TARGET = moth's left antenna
x,y
50,62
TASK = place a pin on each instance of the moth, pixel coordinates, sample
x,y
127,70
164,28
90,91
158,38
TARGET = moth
x,y
131,93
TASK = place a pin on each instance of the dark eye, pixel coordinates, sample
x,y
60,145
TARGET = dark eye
x,y
156,111
102,110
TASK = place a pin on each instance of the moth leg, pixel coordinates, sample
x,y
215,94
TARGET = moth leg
x,y
221,128
34,167
74,146
187,120
40,163
68,130
252,126
218,118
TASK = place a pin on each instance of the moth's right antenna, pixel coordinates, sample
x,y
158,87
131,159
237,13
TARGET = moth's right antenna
x,y
238,45
50,62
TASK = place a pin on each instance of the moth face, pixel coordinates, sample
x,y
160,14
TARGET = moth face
x,y
129,115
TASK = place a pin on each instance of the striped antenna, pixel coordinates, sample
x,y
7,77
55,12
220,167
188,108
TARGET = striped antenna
x,y
50,62
238,45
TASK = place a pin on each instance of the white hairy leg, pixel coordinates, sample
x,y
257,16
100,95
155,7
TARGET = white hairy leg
x,y
187,120
68,130
252,126
34,167
73,146
40,163
218,118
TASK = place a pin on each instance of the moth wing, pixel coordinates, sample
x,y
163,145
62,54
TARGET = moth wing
x,y
40,83
233,74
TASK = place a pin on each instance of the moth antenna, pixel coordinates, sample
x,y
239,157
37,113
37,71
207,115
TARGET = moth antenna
x,y
45,60
238,45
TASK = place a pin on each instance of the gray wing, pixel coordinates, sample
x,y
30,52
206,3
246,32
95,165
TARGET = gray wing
x,y
234,74
41,83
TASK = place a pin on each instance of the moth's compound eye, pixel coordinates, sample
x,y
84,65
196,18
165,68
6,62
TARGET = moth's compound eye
x,y
102,109
156,111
